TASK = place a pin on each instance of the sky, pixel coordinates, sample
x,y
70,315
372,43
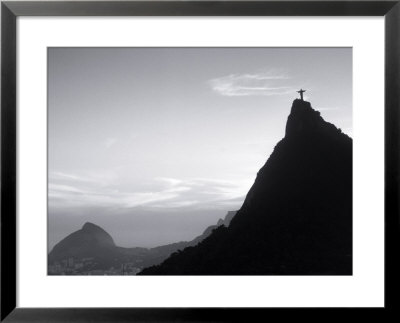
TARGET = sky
x,y
156,144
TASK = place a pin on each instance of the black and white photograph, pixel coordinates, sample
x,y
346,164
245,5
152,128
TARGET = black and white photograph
x,y
199,161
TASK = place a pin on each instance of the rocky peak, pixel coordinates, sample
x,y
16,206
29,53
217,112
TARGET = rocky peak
x,y
220,222
88,226
97,233
303,119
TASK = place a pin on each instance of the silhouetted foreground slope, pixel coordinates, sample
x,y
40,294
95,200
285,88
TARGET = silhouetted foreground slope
x,y
297,217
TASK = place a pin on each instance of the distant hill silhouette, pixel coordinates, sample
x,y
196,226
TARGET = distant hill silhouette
x,y
225,222
296,218
91,241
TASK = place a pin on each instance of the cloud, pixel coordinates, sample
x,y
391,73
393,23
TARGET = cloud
x,y
96,194
88,178
169,180
65,176
71,191
258,84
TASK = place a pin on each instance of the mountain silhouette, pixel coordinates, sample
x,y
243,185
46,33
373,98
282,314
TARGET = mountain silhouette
x,y
90,241
93,242
296,218
225,222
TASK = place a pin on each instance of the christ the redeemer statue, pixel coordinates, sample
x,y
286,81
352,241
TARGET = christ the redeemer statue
x,y
301,94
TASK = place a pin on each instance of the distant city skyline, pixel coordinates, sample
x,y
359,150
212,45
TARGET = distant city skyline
x,y
155,144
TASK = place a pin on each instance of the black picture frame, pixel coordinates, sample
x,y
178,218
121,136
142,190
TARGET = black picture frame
x,y
10,10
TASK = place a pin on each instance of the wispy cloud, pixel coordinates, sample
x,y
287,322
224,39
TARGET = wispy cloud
x,y
70,190
260,84
87,178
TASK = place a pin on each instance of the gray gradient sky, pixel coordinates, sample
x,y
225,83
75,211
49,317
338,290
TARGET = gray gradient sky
x,y
155,144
